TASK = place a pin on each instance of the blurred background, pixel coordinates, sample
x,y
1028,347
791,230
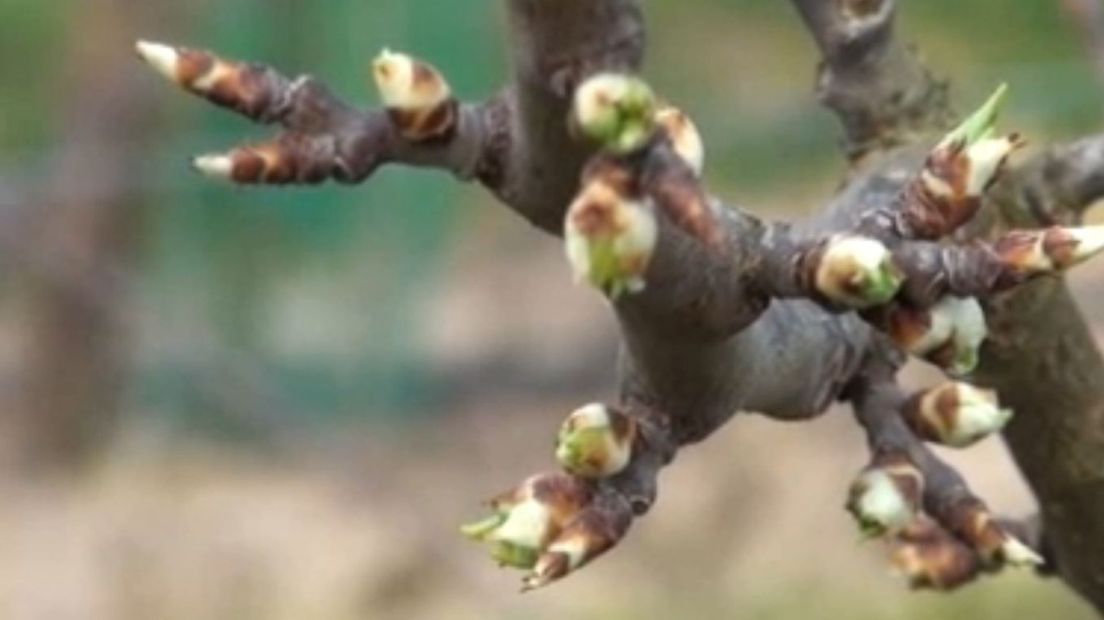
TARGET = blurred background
x,y
230,403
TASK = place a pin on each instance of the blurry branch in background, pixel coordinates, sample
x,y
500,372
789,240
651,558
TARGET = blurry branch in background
x,y
1086,17
721,312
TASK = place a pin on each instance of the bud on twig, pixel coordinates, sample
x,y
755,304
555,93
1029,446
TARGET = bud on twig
x,y
684,136
616,111
585,538
948,191
609,237
948,334
595,441
416,96
857,272
955,414
246,88
930,557
1033,252
885,498
973,522
528,518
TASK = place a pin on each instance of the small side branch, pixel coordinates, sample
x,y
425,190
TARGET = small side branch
x,y
878,87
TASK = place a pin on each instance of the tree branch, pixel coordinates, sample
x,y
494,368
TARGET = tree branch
x,y
880,90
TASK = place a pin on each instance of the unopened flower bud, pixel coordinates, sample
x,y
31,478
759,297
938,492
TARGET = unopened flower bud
x,y
857,272
930,557
244,87
595,441
973,522
609,238
684,136
528,518
955,414
416,95
885,498
948,334
959,170
1053,249
616,111
590,534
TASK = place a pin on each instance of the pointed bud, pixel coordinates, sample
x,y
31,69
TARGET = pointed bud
x,y
616,111
528,518
249,89
947,193
948,334
595,441
971,520
930,557
609,238
955,414
684,136
416,95
885,498
857,272
593,532
1054,249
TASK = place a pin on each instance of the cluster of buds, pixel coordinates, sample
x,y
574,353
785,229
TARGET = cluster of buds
x,y
948,334
610,234
930,557
856,272
955,414
885,497
1054,249
417,97
684,136
615,111
596,441
948,191
546,526
972,522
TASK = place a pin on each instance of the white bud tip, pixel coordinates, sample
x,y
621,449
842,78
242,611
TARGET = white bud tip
x,y
685,137
881,502
594,415
1090,241
215,166
162,58
405,83
1015,553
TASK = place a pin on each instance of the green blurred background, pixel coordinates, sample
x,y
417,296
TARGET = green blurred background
x,y
257,403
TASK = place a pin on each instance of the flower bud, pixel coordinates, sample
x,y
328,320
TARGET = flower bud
x,y
857,272
616,111
684,136
971,520
1054,249
595,441
593,532
247,88
955,414
930,557
948,334
885,498
959,170
527,519
416,95
609,238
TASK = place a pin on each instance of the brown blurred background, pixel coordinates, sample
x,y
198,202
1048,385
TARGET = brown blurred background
x,y
231,404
